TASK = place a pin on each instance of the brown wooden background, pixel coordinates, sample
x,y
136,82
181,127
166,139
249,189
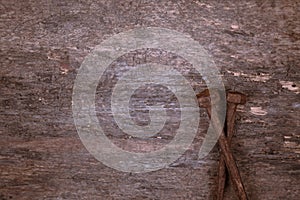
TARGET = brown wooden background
x,y
255,45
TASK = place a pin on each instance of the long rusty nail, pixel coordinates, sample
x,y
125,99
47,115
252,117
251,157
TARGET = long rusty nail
x,y
233,100
204,101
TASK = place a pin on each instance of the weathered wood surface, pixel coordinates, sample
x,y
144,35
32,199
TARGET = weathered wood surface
x,y
255,44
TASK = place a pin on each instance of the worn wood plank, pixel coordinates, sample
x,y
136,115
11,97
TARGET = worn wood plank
x,y
255,44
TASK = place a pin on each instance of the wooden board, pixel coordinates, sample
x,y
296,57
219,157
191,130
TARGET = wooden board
x,y
255,45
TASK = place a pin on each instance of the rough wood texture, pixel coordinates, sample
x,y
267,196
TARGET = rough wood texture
x,y
255,44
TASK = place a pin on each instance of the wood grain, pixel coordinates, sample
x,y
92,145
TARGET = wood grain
x,y
255,45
